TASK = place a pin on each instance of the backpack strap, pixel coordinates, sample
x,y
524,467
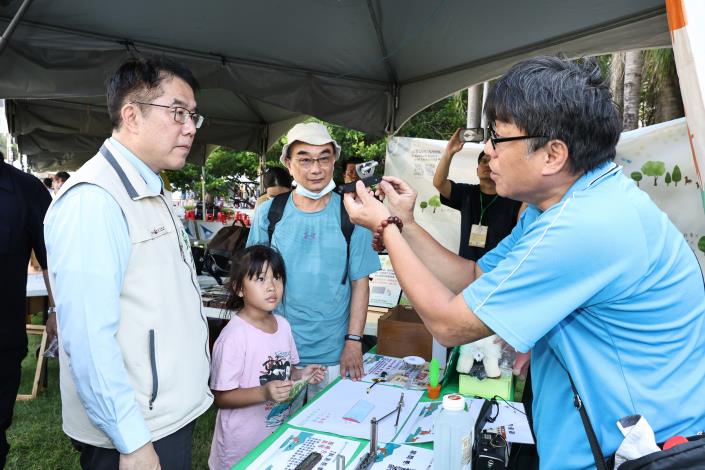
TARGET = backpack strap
x,y
276,211
347,227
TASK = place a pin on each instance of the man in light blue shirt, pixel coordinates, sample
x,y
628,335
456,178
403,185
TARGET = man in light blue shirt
x,y
327,316
133,338
594,279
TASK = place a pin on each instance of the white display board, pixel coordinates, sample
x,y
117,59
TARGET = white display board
x,y
415,161
655,152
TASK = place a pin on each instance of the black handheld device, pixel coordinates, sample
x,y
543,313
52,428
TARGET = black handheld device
x,y
365,171
309,462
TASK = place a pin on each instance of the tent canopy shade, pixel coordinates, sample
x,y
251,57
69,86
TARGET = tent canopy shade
x,y
367,65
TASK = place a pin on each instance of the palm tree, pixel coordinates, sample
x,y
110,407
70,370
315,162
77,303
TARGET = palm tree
x,y
633,62
661,97
616,74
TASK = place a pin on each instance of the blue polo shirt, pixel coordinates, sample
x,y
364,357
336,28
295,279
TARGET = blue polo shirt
x,y
603,285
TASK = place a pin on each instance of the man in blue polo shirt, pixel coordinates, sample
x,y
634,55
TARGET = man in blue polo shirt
x,y
594,278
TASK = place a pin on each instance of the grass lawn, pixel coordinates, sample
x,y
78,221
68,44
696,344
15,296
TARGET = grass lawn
x,y
37,441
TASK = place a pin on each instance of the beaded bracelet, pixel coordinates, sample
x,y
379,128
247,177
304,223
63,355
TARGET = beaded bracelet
x,y
377,241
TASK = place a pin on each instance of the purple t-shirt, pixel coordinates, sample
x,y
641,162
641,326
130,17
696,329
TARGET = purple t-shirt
x,y
243,357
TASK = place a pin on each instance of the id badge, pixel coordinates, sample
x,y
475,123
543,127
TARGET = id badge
x,y
478,235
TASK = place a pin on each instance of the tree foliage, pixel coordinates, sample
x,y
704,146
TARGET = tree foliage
x,y
659,98
435,202
224,171
676,176
357,144
186,179
636,176
439,120
660,92
653,168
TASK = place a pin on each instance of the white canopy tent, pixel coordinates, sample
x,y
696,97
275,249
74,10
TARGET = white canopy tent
x,y
367,65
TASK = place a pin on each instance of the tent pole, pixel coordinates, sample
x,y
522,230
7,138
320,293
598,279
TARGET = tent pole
x,y
5,40
263,159
485,92
203,191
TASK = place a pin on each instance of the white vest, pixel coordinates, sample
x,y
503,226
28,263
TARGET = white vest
x,y
163,333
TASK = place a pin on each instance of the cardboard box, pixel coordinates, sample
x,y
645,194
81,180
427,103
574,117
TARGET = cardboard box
x,y
400,332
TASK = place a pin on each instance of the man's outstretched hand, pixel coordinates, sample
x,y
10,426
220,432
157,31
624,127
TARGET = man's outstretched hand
x,y
400,197
364,209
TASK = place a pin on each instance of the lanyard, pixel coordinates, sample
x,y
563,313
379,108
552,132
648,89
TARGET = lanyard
x,y
482,206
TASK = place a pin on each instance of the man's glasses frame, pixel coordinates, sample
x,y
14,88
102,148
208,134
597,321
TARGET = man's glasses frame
x,y
479,134
180,114
307,163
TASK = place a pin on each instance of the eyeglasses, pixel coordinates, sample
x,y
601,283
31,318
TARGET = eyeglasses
x,y
181,115
491,135
306,163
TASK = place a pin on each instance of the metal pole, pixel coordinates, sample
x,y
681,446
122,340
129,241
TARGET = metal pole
x,y
5,40
373,437
485,91
263,159
203,191
474,114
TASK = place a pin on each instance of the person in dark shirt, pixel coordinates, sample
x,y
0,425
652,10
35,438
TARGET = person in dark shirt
x,y
49,184
485,217
23,203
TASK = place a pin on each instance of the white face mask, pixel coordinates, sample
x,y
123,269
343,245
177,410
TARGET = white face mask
x,y
301,191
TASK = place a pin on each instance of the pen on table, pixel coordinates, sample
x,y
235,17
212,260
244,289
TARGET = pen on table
x,y
382,378
399,407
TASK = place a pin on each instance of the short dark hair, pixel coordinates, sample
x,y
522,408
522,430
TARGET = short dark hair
x,y
62,175
354,161
47,182
277,176
251,262
563,100
479,157
140,80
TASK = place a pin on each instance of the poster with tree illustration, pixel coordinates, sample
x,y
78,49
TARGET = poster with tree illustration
x,y
415,161
659,160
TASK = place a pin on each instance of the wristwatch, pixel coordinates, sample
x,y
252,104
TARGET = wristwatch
x,y
357,338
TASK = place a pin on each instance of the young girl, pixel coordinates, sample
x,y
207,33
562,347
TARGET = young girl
x,y
252,364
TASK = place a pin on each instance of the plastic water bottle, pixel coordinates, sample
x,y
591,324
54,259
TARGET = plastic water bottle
x,y
452,444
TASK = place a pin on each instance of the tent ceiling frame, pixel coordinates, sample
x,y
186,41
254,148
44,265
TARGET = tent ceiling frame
x,y
391,73
5,39
527,49
138,46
